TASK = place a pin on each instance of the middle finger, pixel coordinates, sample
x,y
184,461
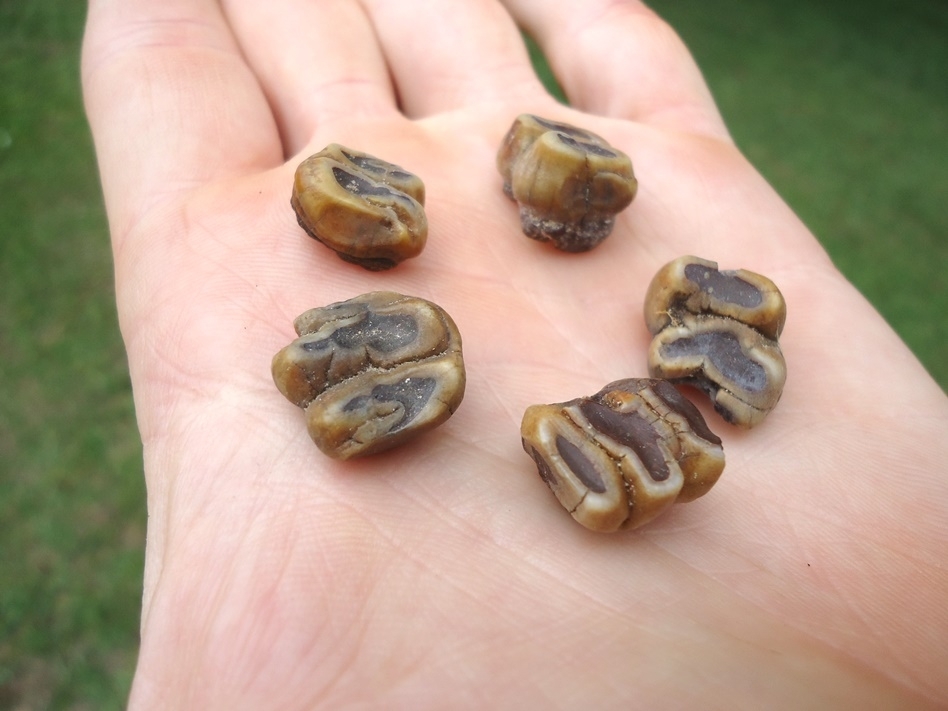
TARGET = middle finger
x,y
449,55
318,62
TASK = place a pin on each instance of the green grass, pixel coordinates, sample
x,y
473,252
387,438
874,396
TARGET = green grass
x,y
71,491
843,107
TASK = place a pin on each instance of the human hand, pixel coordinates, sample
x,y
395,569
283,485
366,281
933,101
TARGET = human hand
x,y
444,574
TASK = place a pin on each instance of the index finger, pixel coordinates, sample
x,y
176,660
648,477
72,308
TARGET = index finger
x,y
170,101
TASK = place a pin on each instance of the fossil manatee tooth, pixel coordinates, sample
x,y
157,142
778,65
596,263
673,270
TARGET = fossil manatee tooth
x,y
619,458
569,183
718,330
372,372
370,212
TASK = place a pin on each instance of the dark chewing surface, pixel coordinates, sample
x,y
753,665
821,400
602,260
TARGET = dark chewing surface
x,y
579,464
381,332
359,186
684,407
543,469
587,147
724,351
724,286
630,430
412,394
367,163
561,127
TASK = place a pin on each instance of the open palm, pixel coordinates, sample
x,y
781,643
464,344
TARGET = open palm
x,y
444,574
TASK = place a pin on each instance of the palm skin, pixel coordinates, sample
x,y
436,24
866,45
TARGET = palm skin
x,y
444,574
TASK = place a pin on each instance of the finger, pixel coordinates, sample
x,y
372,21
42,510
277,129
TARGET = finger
x,y
318,62
620,59
446,56
170,102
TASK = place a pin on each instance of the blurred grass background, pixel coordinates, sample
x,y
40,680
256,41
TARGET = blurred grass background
x,y
842,106
71,491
